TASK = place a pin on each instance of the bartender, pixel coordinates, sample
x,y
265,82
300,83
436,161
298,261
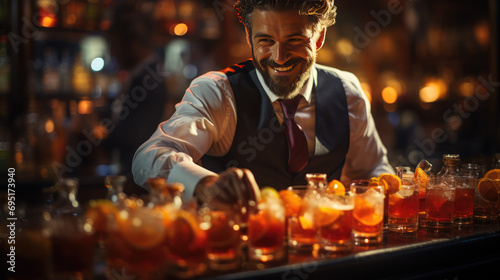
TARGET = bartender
x,y
268,120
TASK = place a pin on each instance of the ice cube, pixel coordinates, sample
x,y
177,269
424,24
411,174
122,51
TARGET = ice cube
x,y
373,196
405,193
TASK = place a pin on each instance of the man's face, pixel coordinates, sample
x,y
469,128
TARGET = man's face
x,y
284,47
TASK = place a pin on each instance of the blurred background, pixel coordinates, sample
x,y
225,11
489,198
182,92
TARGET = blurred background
x,y
429,69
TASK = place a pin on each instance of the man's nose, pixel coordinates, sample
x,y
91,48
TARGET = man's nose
x,y
281,53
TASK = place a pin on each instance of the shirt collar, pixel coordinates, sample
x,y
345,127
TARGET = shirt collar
x,y
306,89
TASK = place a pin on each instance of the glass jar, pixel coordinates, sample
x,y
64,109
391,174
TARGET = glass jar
x,y
451,167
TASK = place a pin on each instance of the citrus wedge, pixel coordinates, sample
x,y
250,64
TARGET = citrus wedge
x,y
327,215
422,179
492,174
143,230
391,183
268,192
292,202
489,189
374,181
306,220
336,187
98,212
365,213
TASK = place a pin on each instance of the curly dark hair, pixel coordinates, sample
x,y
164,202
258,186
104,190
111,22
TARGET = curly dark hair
x,y
322,12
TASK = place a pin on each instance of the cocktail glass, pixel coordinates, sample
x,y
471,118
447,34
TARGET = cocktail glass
x,y
266,229
72,240
486,206
334,220
464,200
403,208
136,241
224,238
440,203
300,207
368,213
187,243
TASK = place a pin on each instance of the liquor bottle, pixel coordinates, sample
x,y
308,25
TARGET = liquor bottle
x,y
114,185
66,203
162,193
451,167
69,233
316,181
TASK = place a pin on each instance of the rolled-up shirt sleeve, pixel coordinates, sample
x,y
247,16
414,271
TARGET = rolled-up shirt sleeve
x,y
203,123
367,155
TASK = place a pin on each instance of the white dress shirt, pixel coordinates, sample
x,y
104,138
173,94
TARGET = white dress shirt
x,y
204,122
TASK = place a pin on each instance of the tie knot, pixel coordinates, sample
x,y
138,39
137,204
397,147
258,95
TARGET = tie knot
x,y
289,106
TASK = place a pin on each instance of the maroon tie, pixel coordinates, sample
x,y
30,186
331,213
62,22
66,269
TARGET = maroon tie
x,y
298,154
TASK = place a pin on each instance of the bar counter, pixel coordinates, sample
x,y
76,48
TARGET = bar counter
x,y
471,252
467,253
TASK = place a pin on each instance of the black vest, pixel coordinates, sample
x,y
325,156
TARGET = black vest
x,y
259,143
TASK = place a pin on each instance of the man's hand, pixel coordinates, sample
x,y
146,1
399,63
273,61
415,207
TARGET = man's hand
x,y
233,187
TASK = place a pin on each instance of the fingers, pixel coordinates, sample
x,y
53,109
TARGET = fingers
x,y
253,190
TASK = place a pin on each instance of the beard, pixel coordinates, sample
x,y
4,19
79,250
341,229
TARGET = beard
x,y
282,86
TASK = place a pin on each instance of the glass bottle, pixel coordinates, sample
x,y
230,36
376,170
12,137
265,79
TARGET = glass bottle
x,y
115,185
161,192
66,202
69,233
316,181
470,170
451,167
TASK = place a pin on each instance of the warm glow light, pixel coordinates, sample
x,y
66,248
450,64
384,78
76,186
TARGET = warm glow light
x,y
85,107
429,93
466,89
345,47
49,126
48,21
180,29
389,95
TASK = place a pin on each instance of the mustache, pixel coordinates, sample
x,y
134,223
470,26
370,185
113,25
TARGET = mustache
x,y
273,64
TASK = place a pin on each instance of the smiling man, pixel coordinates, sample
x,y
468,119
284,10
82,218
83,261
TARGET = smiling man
x,y
270,120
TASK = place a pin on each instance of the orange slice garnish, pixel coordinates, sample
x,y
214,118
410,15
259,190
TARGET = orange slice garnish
x,y
492,174
421,178
365,213
143,229
391,183
327,215
374,181
185,233
292,202
335,187
489,189
306,220
98,212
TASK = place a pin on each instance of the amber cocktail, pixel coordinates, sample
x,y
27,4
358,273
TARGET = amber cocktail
x,y
300,209
464,200
334,220
368,212
440,203
403,208
266,229
224,236
136,242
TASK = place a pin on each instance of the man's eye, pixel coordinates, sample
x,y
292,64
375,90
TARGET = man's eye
x,y
268,41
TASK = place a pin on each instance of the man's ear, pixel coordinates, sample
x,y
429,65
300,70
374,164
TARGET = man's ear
x,y
321,39
247,36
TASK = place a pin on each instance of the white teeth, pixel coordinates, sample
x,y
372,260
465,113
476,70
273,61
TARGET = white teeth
x,y
283,69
